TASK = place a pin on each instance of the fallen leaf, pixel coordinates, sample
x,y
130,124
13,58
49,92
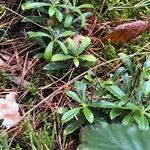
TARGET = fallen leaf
x,y
127,31
9,110
77,39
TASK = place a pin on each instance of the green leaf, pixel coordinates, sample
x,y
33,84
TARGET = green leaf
x,y
37,19
127,62
102,104
74,96
73,126
51,11
85,42
81,89
83,20
126,83
128,119
66,33
48,51
115,113
146,87
73,8
72,46
87,58
143,123
88,115
117,92
55,66
70,114
147,108
63,47
76,61
59,15
60,57
114,137
86,6
31,5
119,72
68,20
147,63
38,34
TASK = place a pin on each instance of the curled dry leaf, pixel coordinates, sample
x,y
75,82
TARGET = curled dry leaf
x,y
9,110
127,31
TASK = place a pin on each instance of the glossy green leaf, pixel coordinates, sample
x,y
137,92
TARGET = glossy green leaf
x,y
48,51
119,72
88,115
68,20
38,34
115,113
51,11
127,62
72,46
147,108
37,19
60,57
146,87
128,120
73,126
70,114
147,63
126,83
81,89
87,58
116,91
73,95
55,66
102,104
63,47
143,123
59,15
114,137
85,42
86,6
66,33
72,8
83,20
76,62
32,5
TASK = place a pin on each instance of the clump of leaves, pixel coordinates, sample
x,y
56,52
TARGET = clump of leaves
x,y
53,38
129,88
75,52
82,100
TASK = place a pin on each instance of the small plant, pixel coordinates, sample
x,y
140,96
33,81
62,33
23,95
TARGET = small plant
x,y
81,98
56,9
75,52
129,88
66,13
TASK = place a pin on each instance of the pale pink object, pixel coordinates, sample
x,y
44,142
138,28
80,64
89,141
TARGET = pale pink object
x,y
9,110
77,39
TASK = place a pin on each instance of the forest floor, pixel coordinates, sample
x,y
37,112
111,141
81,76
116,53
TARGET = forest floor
x,y
40,76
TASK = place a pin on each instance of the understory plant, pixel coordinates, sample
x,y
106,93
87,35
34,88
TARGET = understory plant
x,y
57,30
124,97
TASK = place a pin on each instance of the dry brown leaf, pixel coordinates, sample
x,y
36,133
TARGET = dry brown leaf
x,y
127,31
